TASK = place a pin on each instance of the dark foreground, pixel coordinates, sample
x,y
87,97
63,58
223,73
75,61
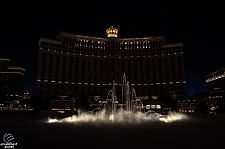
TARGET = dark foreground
x,y
200,131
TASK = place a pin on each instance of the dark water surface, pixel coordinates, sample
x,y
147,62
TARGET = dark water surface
x,y
199,131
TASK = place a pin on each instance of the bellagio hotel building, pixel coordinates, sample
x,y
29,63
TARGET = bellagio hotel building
x,y
83,64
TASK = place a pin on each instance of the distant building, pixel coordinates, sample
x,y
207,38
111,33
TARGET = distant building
x,y
216,80
154,105
78,63
216,88
11,78
26,95
187,106
63,104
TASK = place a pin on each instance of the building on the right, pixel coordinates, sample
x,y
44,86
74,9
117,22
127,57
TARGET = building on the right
x,y
216,80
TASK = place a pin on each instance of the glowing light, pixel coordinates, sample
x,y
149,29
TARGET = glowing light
x,y
215,78
158,106
120,116
112,32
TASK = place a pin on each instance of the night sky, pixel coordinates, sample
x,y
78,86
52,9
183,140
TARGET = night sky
x,y
200,26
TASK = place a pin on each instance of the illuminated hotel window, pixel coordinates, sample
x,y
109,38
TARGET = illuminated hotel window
x,y
158,106
152,106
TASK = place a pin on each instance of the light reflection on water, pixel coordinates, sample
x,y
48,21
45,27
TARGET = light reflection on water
x,y
120,116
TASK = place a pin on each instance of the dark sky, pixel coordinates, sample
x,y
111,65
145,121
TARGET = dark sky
x,y
199,26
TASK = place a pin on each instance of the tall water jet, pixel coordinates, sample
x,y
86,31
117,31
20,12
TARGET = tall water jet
x,y
111,102
113,107
133,101
123,88
126,93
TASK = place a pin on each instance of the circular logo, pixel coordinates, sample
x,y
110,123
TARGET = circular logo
x,y
8,137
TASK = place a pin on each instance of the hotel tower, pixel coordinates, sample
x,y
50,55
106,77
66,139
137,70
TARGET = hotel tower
x,y
84,64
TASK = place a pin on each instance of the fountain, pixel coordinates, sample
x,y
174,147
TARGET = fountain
x,y
109,111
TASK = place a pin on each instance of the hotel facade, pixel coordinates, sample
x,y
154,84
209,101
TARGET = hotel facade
x,y
216,80
215,83
11,78
83,64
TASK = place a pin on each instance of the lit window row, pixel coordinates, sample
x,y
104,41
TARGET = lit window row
x,y
38,80
13,72
215,78
153,107
100,53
